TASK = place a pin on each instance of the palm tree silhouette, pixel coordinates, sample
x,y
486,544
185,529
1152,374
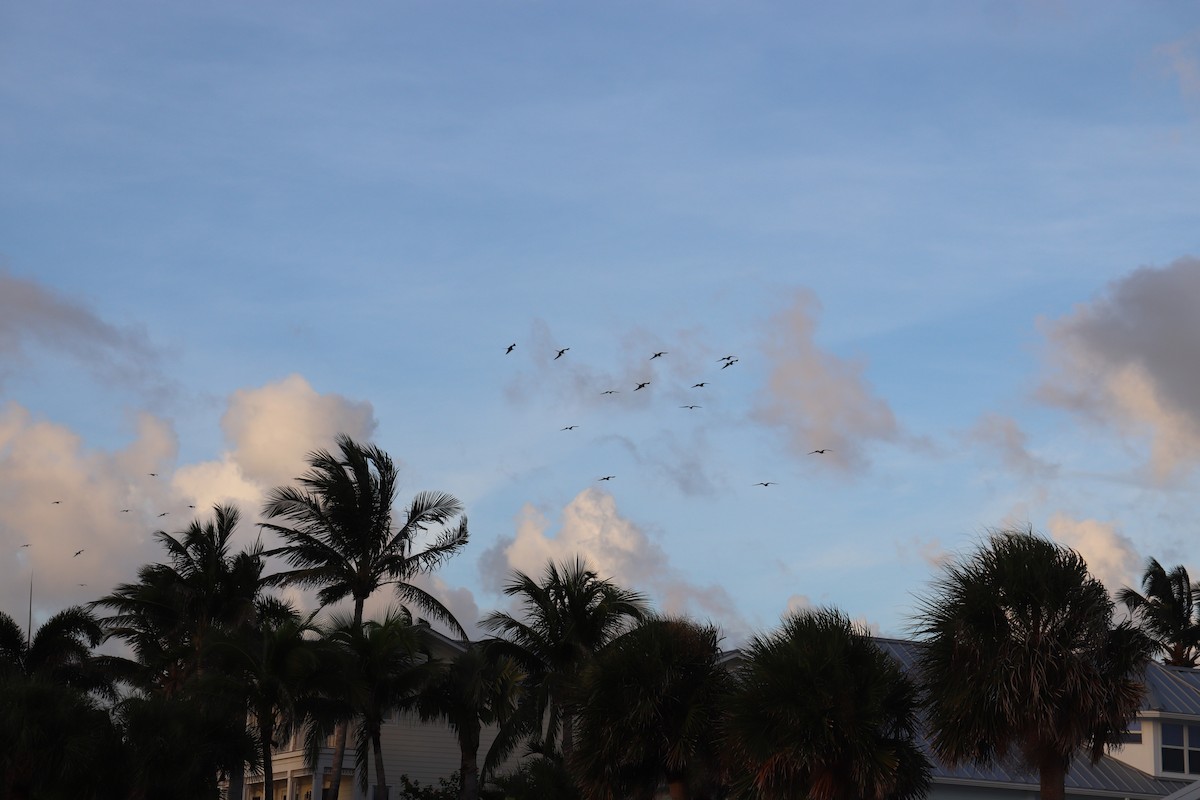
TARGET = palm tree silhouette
x,y
1020,653
342,539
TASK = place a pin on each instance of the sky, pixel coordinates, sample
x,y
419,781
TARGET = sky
x,y
952,244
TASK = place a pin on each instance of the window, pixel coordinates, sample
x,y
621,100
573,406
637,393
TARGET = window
x,y
1133,733
1181,748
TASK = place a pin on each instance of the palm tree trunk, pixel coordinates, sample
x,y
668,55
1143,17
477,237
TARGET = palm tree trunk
x,y
264,733
381,792
468,767
343,728
1052,773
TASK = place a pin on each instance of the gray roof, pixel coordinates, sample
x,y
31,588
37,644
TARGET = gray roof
x,y
1178,689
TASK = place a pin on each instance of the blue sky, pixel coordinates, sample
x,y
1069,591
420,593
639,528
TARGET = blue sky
x,y
954,243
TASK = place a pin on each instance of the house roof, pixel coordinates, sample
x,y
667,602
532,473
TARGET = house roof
x,y
1108,776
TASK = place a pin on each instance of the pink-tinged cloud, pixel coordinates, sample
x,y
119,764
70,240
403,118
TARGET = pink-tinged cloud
x,y
592,527
1111,556
1182,60
269,432
1127,360
58,496
818,400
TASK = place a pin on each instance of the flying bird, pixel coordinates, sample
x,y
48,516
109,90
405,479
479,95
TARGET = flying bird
x,y
77,552
608,477
820,452
124,510
560,354
726,358
152,474
83,584
658,355
163,514
689,406
730,363
55,502
609,391
191,506
642,385
511,347
700,385
24,545
765,483
570,427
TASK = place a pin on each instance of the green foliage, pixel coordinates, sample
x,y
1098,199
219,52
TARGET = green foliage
x,y
538,778
447,789
649,711
1168,612
821,712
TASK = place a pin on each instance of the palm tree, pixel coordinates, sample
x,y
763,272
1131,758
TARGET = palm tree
x,y
653,706
569,616
1019,653
341,538
176,610
56,739
820,711
476,688
1168,613
388,665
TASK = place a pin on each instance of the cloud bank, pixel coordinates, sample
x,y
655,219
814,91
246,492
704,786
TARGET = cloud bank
x,y
591,527
1127,360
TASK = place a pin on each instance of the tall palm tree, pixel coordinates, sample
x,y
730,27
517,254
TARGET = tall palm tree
x,y
654,699
388,665
1019,653
341,538
568,616
820,711
476,688
1168,612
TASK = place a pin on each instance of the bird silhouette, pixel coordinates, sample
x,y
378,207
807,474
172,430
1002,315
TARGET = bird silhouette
x,y
658,355
727,358
609,391
765,483
24,545
730,363
642,385
560,354
83,584
163,514
820,452
689,406
56,502
77,552
511,347
152,474
608,477
570,427
124,510
700,385
191,506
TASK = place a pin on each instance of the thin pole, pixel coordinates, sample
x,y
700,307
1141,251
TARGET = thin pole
x,y
29,625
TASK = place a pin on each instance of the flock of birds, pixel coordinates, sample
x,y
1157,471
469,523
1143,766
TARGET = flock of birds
x,y
83,550
724,361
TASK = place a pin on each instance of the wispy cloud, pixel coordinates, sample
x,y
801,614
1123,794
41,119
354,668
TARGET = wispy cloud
x,y
1005,436
32,316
